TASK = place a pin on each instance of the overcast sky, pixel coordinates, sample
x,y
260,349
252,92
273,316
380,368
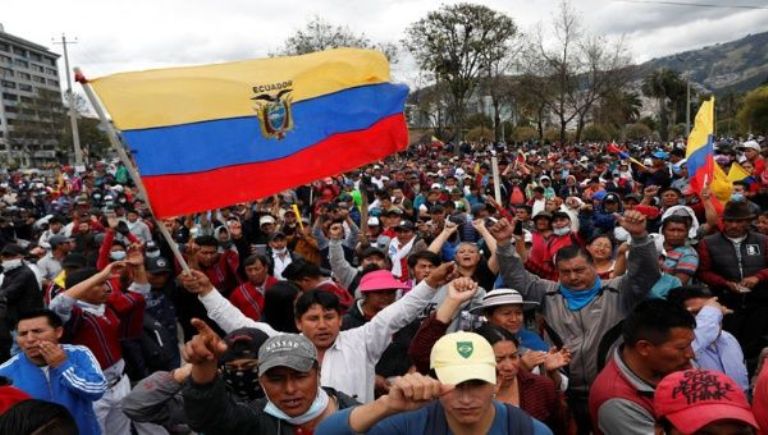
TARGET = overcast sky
x,y
127,35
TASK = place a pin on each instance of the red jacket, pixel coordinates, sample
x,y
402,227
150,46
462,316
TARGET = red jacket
x,y
250,299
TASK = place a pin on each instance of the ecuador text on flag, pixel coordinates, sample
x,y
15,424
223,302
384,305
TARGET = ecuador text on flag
x,y
208,136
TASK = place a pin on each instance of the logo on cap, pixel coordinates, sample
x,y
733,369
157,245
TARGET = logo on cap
x,y
465,348
161,263
702,386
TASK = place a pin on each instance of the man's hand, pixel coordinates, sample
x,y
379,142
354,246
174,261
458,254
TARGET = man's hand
x,y
714,303
336,232
196,282
556,359
750,281
479,225
462,289
450,227
53,354
413,391
181,374
532,359
441,275
503,230
650,191
203,352
135,258
634,222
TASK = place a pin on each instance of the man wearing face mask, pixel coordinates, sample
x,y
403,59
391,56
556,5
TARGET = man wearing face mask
x,y
19,293
158,399
289,374
734,263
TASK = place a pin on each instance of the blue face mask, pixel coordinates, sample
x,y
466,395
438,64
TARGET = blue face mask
x,y
314,411
117,255
737,197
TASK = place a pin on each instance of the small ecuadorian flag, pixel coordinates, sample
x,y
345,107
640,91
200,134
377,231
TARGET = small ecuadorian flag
x,y
208,136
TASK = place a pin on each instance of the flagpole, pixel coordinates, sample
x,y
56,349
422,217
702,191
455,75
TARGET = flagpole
x,y
117,144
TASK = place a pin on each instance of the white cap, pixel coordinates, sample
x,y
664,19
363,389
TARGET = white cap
x,y
373,221
751,144
437,186
266,219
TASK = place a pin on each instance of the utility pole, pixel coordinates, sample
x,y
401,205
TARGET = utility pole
x,y
71,100
688,107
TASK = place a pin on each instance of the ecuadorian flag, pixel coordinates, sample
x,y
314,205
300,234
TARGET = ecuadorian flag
x,y
209,136
700,153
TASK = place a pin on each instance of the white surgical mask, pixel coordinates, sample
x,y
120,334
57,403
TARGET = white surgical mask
x,y
314,411
117,255
561,231
281,251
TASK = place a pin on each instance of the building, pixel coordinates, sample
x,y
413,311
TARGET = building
x,y
28,71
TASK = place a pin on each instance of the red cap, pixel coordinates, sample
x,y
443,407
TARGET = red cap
x,y
10,396
380,280
692,399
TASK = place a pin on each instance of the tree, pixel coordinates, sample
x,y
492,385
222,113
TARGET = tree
x,y
665,86
753,115
319,35
456,44
581,69
618,108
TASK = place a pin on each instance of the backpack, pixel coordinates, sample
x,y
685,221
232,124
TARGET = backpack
x,y
518,422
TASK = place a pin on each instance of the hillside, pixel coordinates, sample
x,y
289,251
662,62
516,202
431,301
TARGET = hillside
x,y
734,66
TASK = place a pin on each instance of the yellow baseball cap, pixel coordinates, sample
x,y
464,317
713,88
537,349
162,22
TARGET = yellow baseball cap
x,y
463,356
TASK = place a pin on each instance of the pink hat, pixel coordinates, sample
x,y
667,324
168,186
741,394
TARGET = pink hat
x,y
379,280
692,399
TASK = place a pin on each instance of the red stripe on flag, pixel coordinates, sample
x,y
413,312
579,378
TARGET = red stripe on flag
x,y
174,195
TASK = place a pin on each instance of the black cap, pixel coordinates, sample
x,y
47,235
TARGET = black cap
x,y
611,197
277,235
299,269
243,343
157,265
57,240
633,196
405,225
560,215
13,250
371,251
74,260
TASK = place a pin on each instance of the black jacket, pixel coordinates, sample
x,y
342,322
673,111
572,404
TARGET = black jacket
x,y
212,410
19,293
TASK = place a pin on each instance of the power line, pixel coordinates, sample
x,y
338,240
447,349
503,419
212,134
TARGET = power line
x,y
698,5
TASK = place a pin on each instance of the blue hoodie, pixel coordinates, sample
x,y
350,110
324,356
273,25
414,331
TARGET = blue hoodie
x,y
75,384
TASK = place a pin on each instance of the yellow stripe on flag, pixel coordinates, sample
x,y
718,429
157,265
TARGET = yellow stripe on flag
x,y
737,173
221,91
721,186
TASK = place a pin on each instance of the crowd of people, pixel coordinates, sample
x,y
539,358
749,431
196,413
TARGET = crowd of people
x,y
598,293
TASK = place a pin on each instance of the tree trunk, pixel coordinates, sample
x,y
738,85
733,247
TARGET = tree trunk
x,y
579,129
496,119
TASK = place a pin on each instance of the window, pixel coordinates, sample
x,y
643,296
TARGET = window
x,y
23,87
27,99
35,56
38,68
11,109
51,71
20,51
53,82
5,47
38,79
25,76
6,59
50,61
10,97
20,62
6,72
7,84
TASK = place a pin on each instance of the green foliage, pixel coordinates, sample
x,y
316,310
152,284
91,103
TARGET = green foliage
x,y
666,86
637,131
728,127
753,115
480,134
525,134
456,44
649,122
319,35
479,120
595,133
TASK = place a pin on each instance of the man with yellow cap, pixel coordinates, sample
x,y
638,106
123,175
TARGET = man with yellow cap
x,y
460,401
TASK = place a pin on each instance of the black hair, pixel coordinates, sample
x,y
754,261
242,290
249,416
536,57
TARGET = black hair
x,y
572,251
76,277
326,300
741,183
423,255
252,259
602,235
679,295
279,306
38,417
495,334
53,319
207,241
300,269
538,189
676,219
527,208
372,267
651,320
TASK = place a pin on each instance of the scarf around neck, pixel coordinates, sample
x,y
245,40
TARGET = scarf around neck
x,y
578,299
